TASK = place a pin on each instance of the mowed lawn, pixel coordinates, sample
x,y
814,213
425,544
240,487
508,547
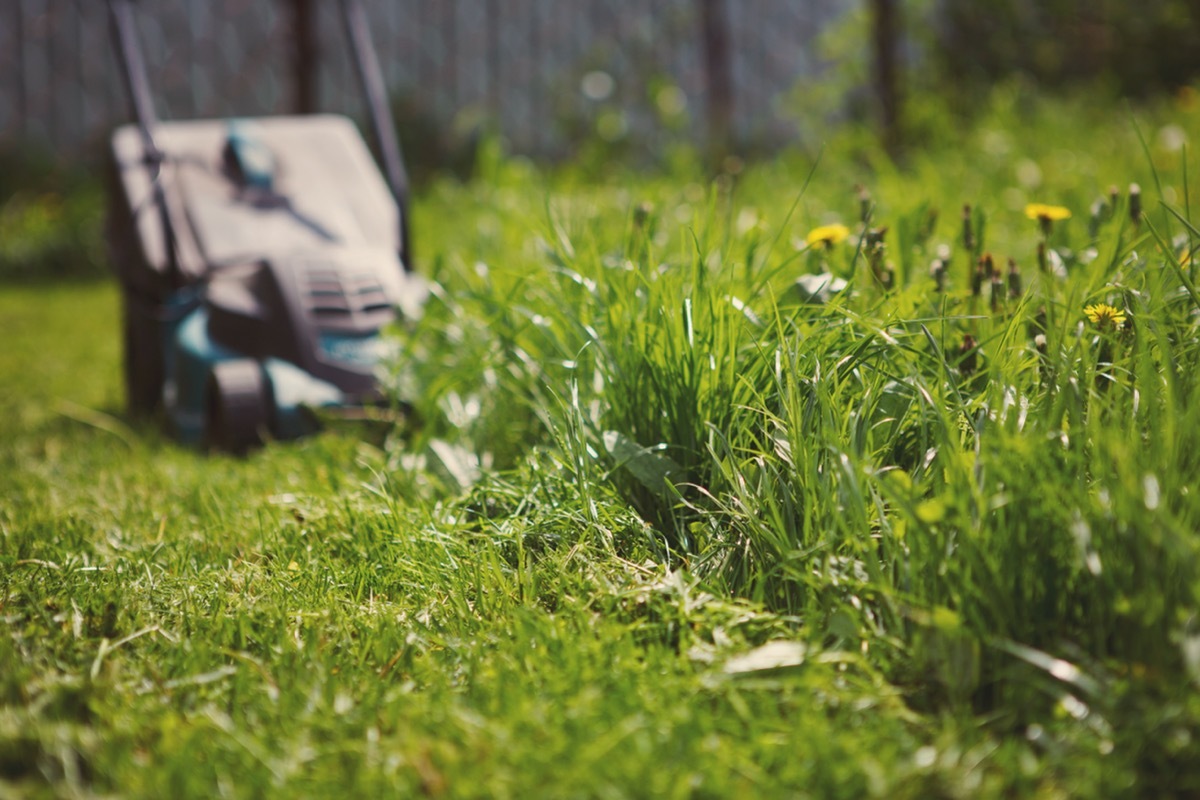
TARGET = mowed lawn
x,y
663,521
177,623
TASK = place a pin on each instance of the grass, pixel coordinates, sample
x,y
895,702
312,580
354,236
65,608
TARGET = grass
x,y
665,528
288,623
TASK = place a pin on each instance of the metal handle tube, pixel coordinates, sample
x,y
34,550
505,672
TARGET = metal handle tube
x,y
371,78
133,69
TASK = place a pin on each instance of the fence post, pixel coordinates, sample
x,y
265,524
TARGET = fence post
x,y
306,55
22,90
886,29
718,74
492,15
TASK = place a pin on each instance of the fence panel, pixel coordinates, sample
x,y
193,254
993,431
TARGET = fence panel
x,y
518,62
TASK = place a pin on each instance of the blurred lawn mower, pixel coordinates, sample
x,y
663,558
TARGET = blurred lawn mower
x,y
259,259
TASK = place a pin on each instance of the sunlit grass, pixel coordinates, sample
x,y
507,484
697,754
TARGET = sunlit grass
x,y
973,462
668,523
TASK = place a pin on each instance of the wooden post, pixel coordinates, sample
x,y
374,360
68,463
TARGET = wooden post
x,y
886,29
306,56
718,73
22,72
492,12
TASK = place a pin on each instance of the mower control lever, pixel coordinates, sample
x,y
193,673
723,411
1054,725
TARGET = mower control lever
x,y
248,159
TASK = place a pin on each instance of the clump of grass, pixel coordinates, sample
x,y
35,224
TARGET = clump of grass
x,y
977,473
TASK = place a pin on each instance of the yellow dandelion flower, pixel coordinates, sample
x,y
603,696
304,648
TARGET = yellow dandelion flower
x,y
1045,213
828,235
1104,316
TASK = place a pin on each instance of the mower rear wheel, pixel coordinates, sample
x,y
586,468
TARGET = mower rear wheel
x,y
237,407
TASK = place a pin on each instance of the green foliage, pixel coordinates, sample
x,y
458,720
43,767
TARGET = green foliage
x,y
47,233
1141,48
962,481
309,621
666,523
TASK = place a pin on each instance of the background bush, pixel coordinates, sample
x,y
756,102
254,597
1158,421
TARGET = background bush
x,y
1138,48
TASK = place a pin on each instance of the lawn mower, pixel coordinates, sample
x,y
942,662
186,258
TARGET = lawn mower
x,y
260,260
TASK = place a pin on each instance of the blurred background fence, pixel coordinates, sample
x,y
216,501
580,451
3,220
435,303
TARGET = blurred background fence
x,y
548,75
539,71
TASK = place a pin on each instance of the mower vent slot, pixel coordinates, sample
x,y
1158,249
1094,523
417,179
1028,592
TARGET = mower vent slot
x,y
333,294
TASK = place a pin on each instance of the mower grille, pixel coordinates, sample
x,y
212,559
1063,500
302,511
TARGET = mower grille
x,y
331,293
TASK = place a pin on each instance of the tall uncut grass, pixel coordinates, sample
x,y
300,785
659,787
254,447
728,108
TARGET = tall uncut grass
x,y
966,479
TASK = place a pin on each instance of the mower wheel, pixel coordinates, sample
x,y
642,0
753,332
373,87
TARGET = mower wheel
x,y
237,406
143,359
